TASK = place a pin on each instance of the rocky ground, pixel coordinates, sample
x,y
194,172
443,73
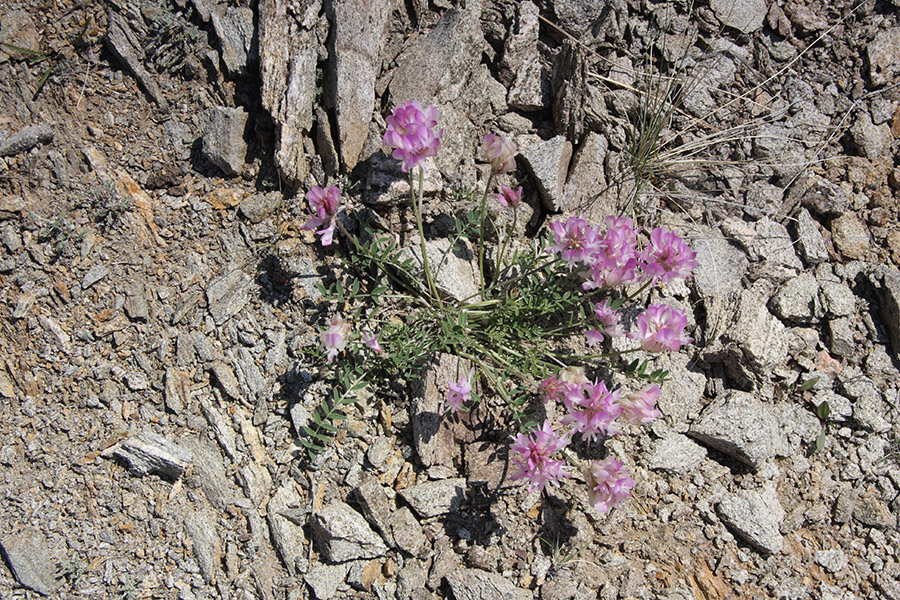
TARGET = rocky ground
x,y
161,300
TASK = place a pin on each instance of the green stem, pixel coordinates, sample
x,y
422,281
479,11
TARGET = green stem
x,y
482,211
417,210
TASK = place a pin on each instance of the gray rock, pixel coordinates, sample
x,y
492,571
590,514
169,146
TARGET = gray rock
x,y
548,163
288,56
824,197
375,505
17,29
25,139
209,470
432,435
136,305
520,65
810,242
850,236
886,280
845,506
751,341
837,299
237,40
475,584
884,56
177,389
358,34
93,275
437,66
434,498
221,427
744,15
720,264
680,397
839,408
874,512
870,140
739,425
224,376
28,557
148,453
798,300
584,191
251,379
488,463
258,207
325,579
832,560
676,453
388,185
840,331
591,20
774,245
125,45
887,585
797,428
200,526
286,527
453,268
778,145
718,69
342,534
206,351
407,533
256,482
755,517
223,138
227,294
868,409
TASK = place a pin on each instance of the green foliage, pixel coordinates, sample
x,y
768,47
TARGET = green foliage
x,y
58,232
347,390
108,204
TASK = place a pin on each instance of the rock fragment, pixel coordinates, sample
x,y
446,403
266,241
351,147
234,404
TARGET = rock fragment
x,y
434,498
358,34
28,557
475,584
125,46
739,425
453,267
223,138
148,453
798,300
755,517
548,163
850,236
520,66
227,294
25,139
744,15
432,436
810,242
407,532
676,453
93,275
884,56
286,526
200,526
342,534
237,37
325,579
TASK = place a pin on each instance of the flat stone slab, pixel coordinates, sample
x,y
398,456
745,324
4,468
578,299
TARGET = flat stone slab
x,y
28,557
434,498
755,517
342,534
475,584
739,425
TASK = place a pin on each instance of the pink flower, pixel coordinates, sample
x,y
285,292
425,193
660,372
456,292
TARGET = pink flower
x,y
411,133
608,318
661,327
323,208
574,239
592,410
640,407
501,152
531,454
615,259
508,197
459,393
608,484
552,389
668,257
371,341
335,337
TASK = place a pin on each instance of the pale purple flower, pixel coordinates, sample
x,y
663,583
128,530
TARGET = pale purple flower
x,y
608,319
592,410
661,327
608,484
668,257
501,151
460,392
411,133
593,337
615,258
371,341
640,407
575,240
532,455
552,389
509,197
323,208
335,337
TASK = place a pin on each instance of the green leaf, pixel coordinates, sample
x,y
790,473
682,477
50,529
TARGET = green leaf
x,y
823,410
809,383
820,441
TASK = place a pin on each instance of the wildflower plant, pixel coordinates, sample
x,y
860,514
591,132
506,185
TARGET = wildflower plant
x,y
537,333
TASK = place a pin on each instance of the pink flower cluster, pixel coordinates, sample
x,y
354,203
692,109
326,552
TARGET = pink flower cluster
x,y
411,133
613,258
608,484
323,208
335,337
532,455
661,327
